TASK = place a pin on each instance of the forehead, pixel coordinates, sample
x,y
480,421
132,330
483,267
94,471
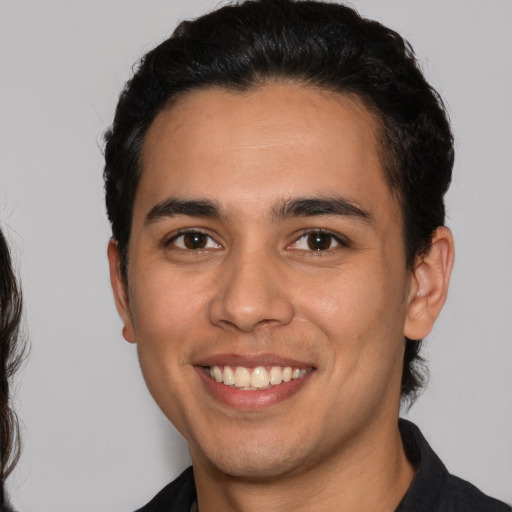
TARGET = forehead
x,y
259,145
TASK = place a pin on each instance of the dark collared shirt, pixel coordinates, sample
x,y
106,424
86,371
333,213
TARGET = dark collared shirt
x,y
433,489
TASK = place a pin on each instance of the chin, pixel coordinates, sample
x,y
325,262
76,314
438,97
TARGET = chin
x,y
255,461
253,468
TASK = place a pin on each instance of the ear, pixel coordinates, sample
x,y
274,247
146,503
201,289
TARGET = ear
x,y
120,289
429,285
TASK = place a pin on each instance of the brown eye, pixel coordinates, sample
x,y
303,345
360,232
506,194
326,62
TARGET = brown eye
x,y
319,241
195,240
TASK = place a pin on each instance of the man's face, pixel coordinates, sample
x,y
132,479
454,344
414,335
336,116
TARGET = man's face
x,y
266,252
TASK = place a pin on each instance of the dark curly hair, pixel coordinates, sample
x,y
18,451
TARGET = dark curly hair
x,y
327,45
11,353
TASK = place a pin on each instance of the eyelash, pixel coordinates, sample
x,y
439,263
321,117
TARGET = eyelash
x,y
182,233
340,241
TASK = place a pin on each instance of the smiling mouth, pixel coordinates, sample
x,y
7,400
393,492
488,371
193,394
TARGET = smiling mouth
x,y
255,379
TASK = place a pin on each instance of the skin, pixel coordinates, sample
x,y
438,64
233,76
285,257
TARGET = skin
x,y
257,291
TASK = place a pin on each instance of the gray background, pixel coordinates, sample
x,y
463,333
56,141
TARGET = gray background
x,y
93,439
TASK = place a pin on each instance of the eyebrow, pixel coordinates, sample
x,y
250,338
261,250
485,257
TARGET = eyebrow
x,y
320,206
173,206
298,207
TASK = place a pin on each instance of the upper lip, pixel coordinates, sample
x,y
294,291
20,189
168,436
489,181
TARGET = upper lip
x,y
251,360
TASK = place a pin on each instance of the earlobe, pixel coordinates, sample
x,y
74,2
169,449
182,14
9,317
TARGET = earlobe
x,y
120,290
429,285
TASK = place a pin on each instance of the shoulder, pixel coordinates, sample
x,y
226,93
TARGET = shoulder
x,y
463,496
178,496
433,487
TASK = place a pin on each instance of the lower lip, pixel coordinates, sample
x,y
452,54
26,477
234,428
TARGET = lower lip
x,y
251,400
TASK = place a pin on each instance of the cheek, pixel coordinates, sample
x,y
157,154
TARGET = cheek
x,y
352,295
168,313
360,309
168,308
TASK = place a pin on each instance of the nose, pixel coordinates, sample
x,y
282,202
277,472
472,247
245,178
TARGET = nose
x,y
252,293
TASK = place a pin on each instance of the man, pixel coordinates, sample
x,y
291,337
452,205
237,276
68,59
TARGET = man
x,y
275,177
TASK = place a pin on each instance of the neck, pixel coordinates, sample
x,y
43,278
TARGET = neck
x,y
373,473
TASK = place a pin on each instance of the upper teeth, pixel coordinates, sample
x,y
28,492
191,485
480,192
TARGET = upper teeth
x,y
255,378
